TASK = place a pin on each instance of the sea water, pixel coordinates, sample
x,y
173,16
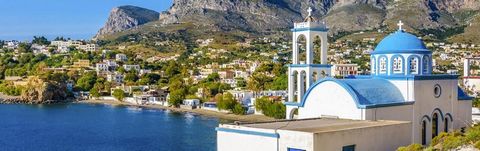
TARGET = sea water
x,y
79,127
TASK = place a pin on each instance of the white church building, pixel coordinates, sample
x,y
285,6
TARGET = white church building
x,y
402,102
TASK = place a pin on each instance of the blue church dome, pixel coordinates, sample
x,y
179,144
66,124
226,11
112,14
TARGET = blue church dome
x,y
401,42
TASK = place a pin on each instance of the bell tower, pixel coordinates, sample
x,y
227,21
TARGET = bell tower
x,y
303,72
309,30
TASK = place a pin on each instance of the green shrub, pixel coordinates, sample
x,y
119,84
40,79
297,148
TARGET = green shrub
x,y
176,97
413,147
438,139
270,108
473,134
118,94
238,109
452,142
9,89
477,145
228,102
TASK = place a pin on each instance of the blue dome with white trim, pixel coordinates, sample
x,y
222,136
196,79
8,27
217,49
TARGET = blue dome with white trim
x,y
401,42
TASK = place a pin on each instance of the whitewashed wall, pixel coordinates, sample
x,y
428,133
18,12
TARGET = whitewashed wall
x,y
380,138
228,141
295,139
330,99
426,103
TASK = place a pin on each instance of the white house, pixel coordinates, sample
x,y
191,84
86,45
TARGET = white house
x,y
191,102
101,67
470,80
115,77
243,96
107,65
405,101
88,47
131,67
121,57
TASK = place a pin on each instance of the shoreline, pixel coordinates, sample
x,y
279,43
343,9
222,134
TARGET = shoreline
x,y
202,112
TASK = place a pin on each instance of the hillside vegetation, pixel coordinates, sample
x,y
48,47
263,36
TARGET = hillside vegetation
x,y
450,141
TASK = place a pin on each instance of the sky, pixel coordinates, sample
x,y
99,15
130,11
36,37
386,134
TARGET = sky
x,y
76,19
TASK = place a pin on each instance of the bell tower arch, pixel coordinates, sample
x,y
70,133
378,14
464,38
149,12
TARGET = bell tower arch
x,y
303,71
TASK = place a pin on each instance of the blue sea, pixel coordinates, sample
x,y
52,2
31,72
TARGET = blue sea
x,y
83,127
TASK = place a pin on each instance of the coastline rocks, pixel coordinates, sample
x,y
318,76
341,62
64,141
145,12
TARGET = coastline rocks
x,y
37,91
22,101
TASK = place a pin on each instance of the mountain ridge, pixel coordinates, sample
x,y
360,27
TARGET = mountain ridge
x,y
266,16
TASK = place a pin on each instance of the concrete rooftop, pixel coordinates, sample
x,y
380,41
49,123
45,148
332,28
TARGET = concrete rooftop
x,y
320,125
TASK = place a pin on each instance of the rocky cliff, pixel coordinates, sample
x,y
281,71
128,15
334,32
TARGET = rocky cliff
x,y
38,91
126,17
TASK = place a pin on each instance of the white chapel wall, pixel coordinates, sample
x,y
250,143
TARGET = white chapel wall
x,y
330,99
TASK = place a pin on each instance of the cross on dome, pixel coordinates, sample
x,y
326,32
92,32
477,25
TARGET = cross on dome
x,y
400,24
310,10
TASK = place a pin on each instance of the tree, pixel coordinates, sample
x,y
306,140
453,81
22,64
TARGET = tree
x,y
25,58
214,77
58,77
59,39
278,69
238,109
279,83
94,92
176,97
119,94
241,82
476,102
226,102
40,40
257,82
86,82
149,78
172,69
121,70
107,86
270,108
24,47
131,77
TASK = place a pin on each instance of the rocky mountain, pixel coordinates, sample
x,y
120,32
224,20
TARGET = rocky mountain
x,y
126,17
265,16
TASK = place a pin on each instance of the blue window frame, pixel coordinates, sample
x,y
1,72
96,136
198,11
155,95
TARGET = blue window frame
x,y
348,148
294,149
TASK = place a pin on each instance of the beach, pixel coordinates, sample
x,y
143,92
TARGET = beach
x,y
220,115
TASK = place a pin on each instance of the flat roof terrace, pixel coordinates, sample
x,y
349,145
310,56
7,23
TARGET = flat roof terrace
x,y
319,125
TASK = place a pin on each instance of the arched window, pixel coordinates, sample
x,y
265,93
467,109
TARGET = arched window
x,y
434,125
295,84
374,66
424,132
446,125
413,66
383,65
397,65
425,64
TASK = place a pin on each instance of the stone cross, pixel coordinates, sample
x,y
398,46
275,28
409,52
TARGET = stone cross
x,y
400,24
